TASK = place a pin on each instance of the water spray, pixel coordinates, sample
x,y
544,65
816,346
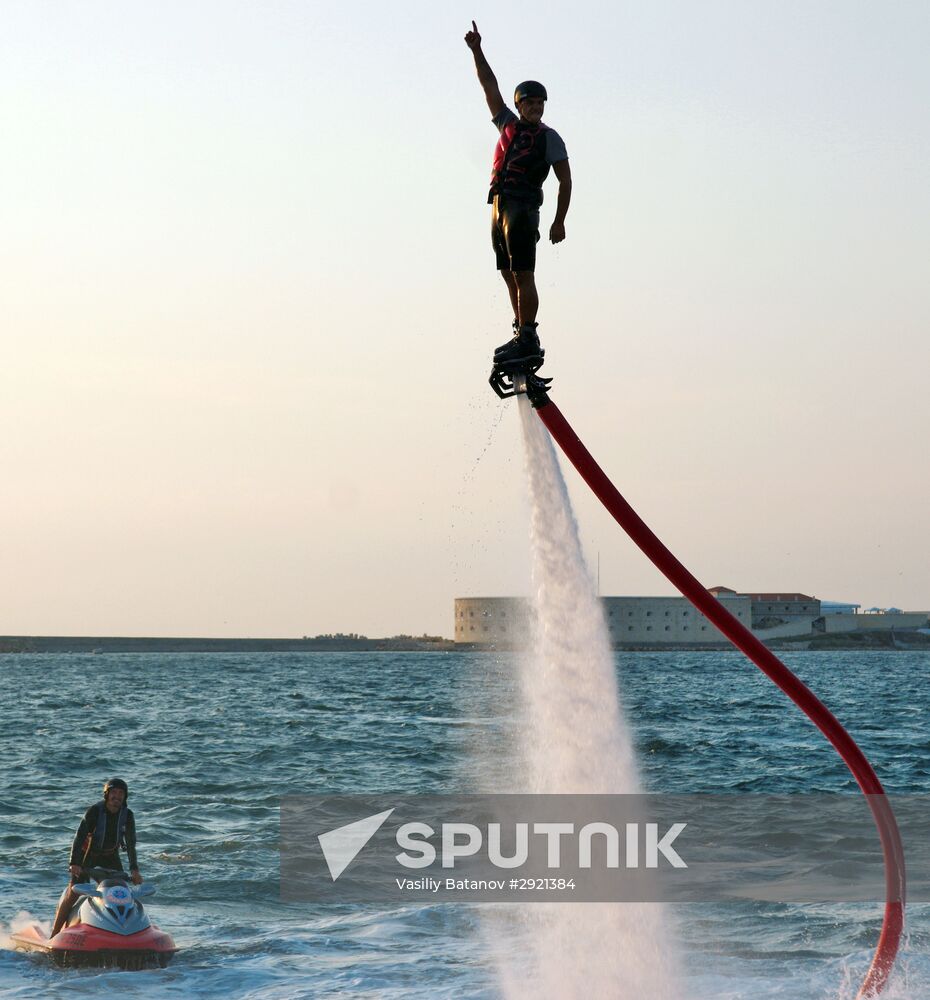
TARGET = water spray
x,y
744,640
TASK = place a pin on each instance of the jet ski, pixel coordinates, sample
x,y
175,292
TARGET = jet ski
x,y
107,926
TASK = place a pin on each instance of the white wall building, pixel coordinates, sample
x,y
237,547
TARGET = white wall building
x,y
631,621
672,621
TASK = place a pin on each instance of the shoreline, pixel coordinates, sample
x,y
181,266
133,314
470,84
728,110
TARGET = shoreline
x,y
892,640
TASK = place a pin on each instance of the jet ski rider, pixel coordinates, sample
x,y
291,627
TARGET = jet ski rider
x,y
525,151
106,827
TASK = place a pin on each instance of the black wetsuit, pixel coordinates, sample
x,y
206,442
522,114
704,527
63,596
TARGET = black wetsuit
x,y
89,851
83,851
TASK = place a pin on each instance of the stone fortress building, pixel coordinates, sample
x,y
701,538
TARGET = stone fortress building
x,y
657,622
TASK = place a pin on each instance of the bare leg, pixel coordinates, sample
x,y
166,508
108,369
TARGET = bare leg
x,y
64,908
527,297
511,283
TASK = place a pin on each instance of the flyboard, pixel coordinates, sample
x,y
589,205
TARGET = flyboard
x,y
514,378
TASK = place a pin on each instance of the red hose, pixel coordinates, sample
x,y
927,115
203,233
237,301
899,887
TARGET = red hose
x,y
776,671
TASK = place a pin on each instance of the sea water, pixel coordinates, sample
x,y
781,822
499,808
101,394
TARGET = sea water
x,y
209,743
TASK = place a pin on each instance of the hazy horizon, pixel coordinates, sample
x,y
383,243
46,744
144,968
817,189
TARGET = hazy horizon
x,y
249,305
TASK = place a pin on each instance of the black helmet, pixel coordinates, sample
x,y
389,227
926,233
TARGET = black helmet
x,y
116,783
529,88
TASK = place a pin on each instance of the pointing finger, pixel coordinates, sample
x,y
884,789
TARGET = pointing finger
x,y
474,27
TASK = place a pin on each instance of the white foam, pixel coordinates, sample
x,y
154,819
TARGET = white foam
x,y
20,922
575,741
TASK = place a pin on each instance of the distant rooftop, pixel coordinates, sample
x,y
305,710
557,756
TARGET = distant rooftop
x,y
720,591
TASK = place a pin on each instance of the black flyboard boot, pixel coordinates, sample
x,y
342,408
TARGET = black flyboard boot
x,y
524,348
516,334
515,367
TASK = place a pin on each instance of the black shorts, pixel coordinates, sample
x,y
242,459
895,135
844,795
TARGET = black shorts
x,y
514,234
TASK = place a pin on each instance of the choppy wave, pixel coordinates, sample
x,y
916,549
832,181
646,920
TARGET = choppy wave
x,y
210,743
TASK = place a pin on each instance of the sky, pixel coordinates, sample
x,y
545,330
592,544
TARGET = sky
x,y
248,303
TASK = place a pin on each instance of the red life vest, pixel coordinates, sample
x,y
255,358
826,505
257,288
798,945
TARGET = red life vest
x,y
520,165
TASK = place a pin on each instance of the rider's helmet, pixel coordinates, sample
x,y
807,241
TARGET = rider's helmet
x,y
116,783
529,88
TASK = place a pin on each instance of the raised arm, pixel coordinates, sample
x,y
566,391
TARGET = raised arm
x,y
486,76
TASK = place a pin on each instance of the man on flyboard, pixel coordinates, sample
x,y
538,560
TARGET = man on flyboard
x,y
525,151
